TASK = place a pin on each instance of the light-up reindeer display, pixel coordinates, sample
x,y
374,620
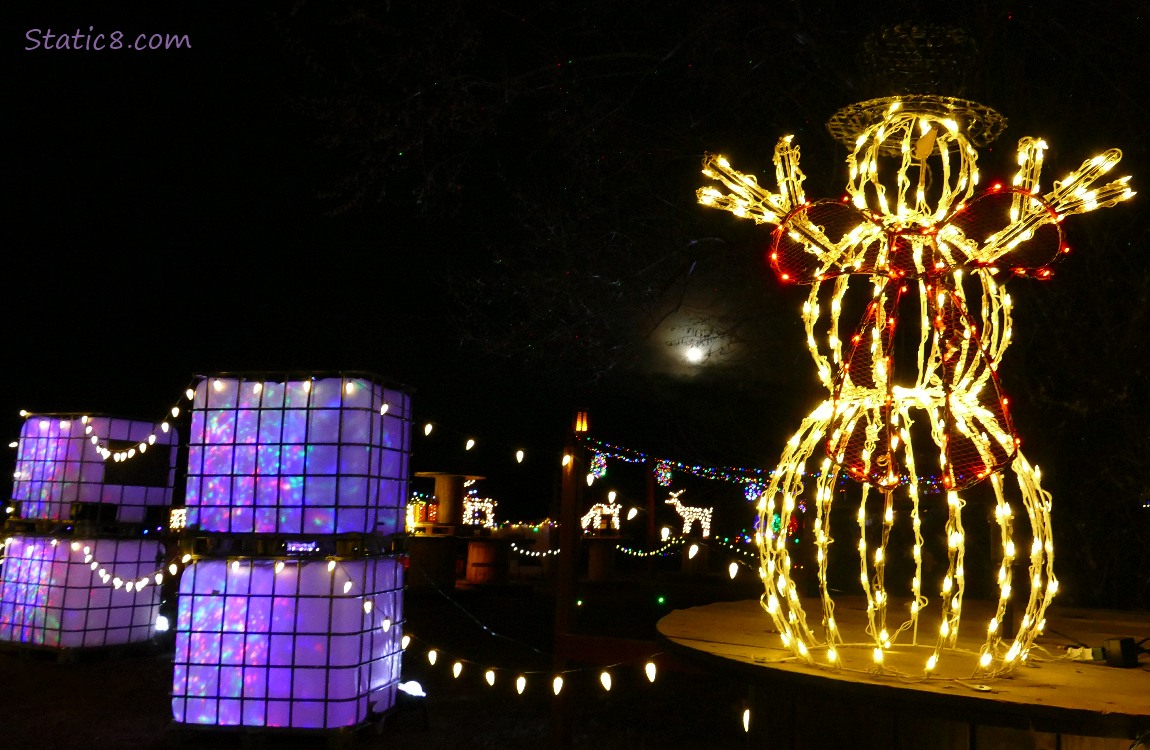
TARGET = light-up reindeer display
x,y
691,515
923,243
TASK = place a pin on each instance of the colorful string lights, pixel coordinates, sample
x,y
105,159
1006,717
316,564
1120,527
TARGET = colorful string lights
x,y
753,480
598,465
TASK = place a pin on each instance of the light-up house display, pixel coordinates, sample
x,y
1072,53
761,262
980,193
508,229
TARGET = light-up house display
x,y
78,593
290,608
81,555
311,456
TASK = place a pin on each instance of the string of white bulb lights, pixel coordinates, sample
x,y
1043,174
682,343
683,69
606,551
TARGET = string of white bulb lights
x,y
101,443
533,553
916,230
163,426
104,571
557,681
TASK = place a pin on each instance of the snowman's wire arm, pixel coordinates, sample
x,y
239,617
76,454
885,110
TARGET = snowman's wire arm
x,y
1071,195
747,199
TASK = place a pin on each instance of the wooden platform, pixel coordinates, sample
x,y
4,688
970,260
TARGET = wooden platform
x,y
1052,702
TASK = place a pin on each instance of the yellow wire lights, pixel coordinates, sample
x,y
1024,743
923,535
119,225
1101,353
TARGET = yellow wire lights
x,y
916,227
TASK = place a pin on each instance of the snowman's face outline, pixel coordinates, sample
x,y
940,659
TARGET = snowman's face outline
x,y
926,147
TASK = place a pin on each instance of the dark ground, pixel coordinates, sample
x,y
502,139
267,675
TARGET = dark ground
x,y
121,700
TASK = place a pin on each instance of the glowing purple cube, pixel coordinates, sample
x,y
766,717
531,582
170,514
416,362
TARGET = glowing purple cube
x,y
59,464
288,643
78,593
310,456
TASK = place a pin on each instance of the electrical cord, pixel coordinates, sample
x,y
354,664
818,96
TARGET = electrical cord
x,y
472,617
1077,642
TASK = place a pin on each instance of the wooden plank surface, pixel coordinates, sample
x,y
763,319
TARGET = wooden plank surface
x,y
1051,693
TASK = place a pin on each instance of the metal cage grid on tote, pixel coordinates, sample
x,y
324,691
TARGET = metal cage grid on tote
x,y
290,610
78,593
60,470
307,644
83,549
304,456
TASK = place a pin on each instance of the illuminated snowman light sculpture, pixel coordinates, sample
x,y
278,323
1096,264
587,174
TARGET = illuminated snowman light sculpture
x,y
927,248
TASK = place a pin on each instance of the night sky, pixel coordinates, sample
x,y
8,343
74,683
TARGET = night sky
x,y
494,205
166,219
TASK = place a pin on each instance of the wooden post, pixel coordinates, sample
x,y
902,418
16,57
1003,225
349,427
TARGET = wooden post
x,y
565,581
651,534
